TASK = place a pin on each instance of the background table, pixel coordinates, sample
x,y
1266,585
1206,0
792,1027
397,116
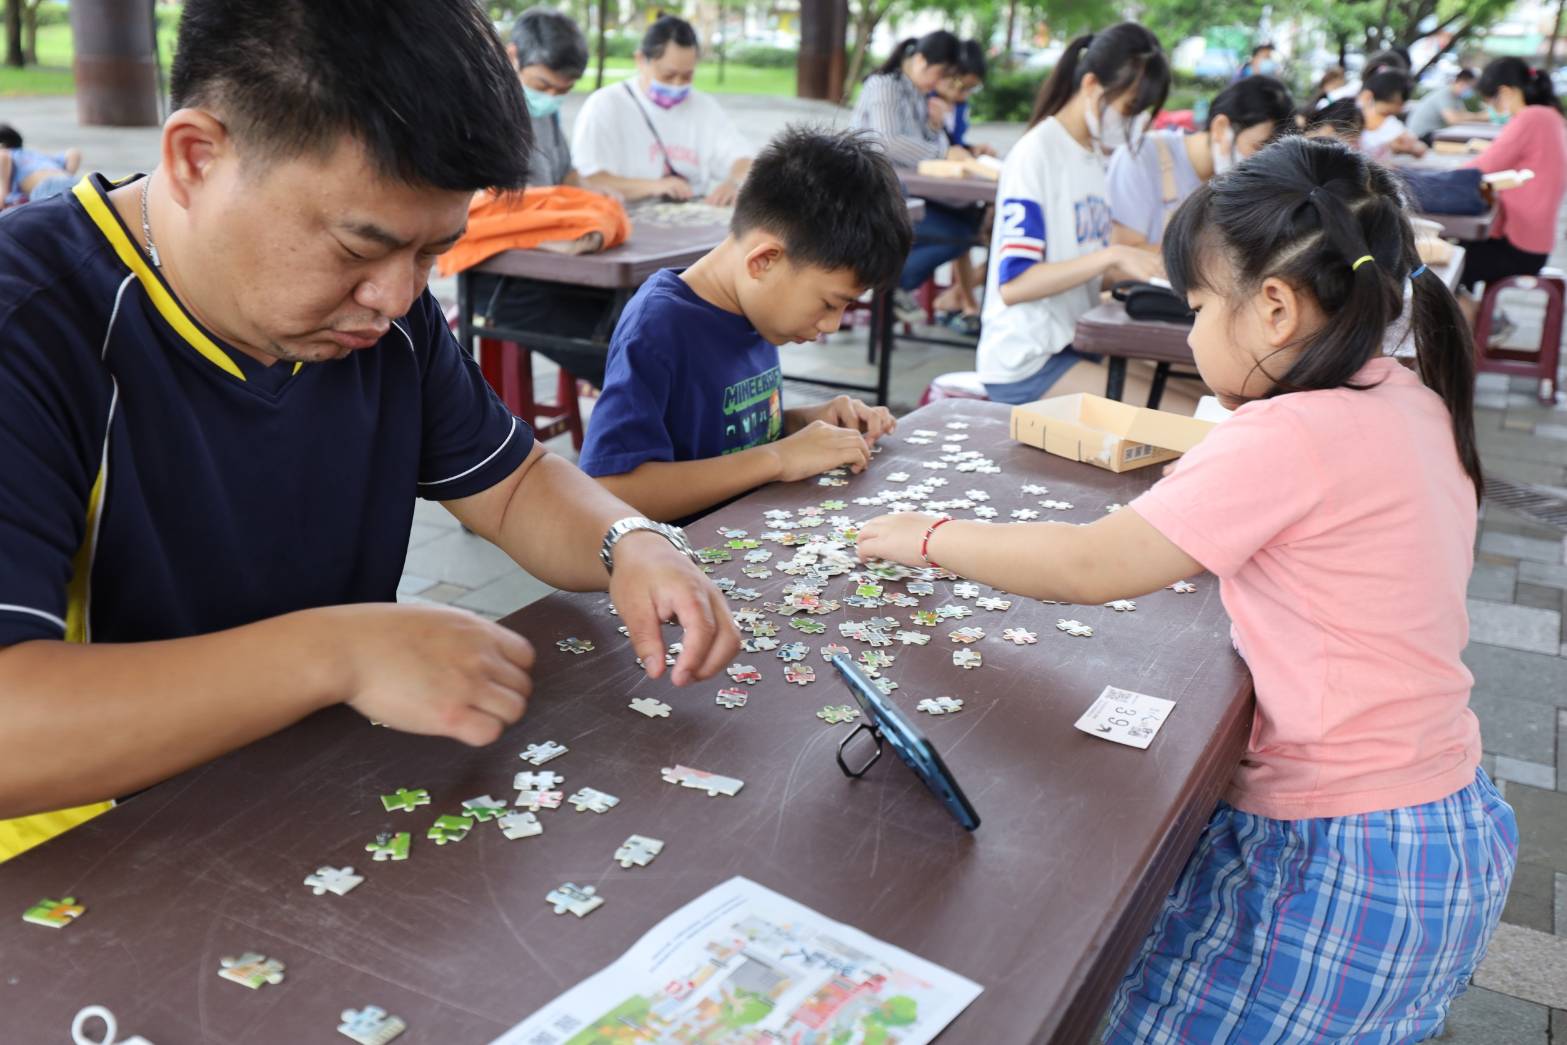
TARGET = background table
x,y
1044,905
623,269
953,191
1108,331
1465,132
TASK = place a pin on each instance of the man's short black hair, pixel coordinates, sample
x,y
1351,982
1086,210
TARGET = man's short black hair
x,y
547,37
10,137
834,200
424,85
666,30
1466,74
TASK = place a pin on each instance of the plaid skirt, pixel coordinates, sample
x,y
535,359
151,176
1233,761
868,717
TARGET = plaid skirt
x,y
1337,929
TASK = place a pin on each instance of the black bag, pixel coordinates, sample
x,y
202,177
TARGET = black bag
x,y
1445,192
1150,301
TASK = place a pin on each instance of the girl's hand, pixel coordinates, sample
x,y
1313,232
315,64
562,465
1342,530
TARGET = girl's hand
x,y
896,538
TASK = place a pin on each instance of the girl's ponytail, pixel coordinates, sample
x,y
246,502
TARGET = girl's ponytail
x,y
1445,349
895,60
1062,83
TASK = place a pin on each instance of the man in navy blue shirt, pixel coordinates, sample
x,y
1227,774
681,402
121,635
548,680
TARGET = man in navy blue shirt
x,y
222,387
692,412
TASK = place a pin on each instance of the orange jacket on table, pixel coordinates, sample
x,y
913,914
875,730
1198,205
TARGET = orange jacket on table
x,y
522,220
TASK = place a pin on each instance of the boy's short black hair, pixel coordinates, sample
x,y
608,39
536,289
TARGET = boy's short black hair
x,y
10,137
1388,86
833,198
666,30
424,85
1466,74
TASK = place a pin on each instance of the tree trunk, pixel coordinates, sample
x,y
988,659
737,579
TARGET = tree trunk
x,y
1343,51
1556,33
865,23
30,32
13,33
603,24
1006,54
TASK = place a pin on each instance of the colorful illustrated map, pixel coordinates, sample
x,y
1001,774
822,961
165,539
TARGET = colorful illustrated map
x,y
743,965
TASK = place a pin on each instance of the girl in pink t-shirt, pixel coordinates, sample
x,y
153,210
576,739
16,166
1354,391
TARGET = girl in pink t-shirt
x,y
1347,886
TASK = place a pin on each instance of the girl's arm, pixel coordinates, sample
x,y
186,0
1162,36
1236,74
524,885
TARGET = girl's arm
x,y
1049,278
1509,150
1118,557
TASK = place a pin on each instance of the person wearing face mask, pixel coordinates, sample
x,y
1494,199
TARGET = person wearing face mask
x,y
1443,107
654,136
894,106
1263,62
1050,250
550,55
1147,185
1535,139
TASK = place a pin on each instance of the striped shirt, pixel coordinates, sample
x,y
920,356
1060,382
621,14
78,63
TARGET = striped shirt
x,y
892,107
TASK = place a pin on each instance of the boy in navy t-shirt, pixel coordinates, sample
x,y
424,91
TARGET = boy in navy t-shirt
x,y
692,411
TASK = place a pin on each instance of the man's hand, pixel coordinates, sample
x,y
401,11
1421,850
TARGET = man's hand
x,y
937,109
981,149
433,670
724,193
654,583
674,187
896,537
848,412
820,447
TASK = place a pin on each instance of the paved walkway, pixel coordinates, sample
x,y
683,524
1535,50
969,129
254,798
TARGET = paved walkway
x,y
1518,607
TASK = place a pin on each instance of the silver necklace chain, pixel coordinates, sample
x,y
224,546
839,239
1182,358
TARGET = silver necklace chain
x,y
146,226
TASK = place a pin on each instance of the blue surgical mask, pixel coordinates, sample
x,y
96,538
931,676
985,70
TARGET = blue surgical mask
x,y
541,106
1465,94
1266,67
667,96
1496,115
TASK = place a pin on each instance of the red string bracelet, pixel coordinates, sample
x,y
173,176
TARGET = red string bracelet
x,y
925,544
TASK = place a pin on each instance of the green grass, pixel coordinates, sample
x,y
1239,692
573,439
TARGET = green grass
x,y
52,74
738,79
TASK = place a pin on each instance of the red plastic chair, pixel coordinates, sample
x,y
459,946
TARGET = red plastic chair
x,y
508,368
1540,363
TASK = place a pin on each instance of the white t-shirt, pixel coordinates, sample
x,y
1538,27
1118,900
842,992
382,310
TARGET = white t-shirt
x,y
1051,206
611,137
1378,144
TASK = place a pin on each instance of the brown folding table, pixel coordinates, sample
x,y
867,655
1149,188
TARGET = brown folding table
x,y
1045,905
621,270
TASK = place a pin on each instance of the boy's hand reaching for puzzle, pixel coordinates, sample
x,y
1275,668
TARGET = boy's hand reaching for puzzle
x,y
848,412
820,447
434,670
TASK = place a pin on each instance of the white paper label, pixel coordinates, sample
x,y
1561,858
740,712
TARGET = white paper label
x,y
1126,717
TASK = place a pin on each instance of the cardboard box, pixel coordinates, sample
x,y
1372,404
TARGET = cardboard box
x,y
1099,431
975,168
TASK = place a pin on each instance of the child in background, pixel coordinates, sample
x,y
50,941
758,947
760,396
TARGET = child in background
x,y
1381,100
31,175
1347,886
1147,185
1051,249
692,412
957,307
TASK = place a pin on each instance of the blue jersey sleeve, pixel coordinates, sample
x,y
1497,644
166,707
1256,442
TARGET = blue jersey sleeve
x,y
470,441
629,424
56,405
1022,237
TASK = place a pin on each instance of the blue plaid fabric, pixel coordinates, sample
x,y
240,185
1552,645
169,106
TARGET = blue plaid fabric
x,y
1352,928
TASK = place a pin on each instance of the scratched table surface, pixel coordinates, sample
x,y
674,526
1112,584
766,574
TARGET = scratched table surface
x,y
1044,905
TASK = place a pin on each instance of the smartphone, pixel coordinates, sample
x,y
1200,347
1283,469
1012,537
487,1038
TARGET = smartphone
x,y
906,739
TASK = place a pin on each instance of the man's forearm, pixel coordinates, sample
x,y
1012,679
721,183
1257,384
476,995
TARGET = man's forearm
x,y
670,490
84,723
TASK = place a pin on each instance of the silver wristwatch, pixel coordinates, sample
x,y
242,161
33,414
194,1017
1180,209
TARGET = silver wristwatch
x,y
673,534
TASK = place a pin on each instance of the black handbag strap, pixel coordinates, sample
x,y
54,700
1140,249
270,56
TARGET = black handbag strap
x,y
669,168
